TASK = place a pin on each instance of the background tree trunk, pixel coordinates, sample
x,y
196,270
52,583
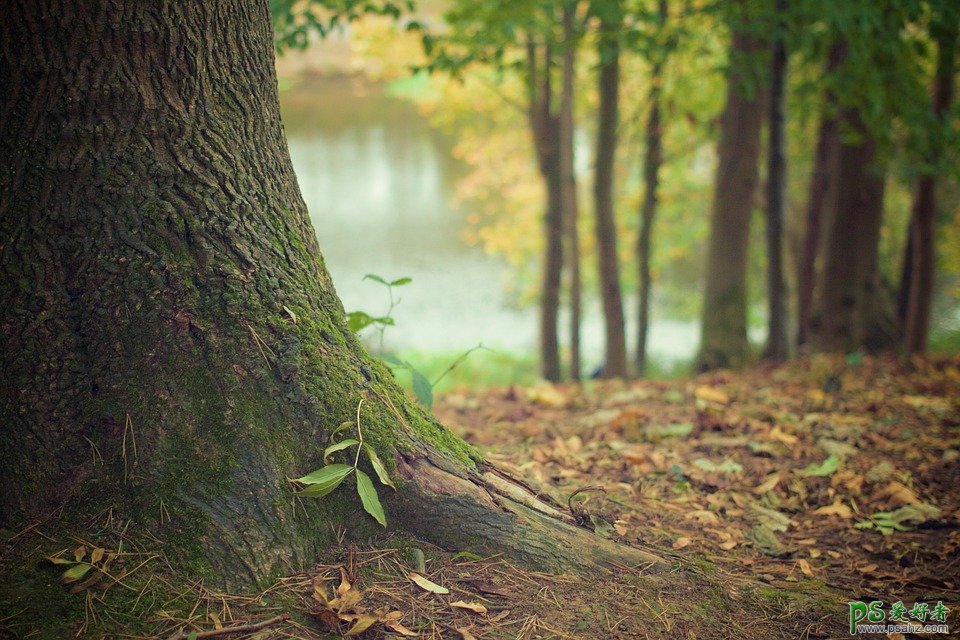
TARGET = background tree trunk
x,y
615,363
848,306
821,185
545,126
777,344
173,346
724,342
571,212
653,159
922,253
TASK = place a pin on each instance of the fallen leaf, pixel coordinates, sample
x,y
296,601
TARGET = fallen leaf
x,y
836,509
96,555
500,616
785,438
711,394
465,634
769,484
805,567
399,629
363,622
470,606
900,494
681,542
427,585
703,516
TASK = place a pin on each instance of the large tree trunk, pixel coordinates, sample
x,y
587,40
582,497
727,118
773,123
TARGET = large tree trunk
x,y
545,126
571,209
724,321
922,250
777,343
821,186
615,364
849,308
174,349
652,160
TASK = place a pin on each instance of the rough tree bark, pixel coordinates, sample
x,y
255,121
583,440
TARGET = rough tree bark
x,y
571,209
173,347
778,346
652,160
611,21
724,321
821,184
922,251
848,308
545,125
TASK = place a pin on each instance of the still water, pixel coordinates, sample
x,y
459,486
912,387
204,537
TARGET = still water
x,y
378,182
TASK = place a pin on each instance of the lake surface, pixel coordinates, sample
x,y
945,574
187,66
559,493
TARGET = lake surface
x,y
378,182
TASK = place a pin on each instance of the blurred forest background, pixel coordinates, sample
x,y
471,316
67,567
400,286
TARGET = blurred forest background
x,y
613,187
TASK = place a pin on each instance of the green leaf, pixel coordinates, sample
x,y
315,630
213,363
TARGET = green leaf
x,y
339,446
422,389
75,572
826,468
394,361
325,480
343,425
369,498
378,466
359,320
60,560
376,278
399,282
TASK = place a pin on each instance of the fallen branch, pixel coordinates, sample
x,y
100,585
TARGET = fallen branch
x,y
244,628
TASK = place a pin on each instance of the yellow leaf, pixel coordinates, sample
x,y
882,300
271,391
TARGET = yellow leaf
x,y
785,438
805,567
728,545
681,542
426,585
769,484
703,516
398,628
465,634
900,494
711,394
835,509
363,623
79,552
470,606
344,583
96,555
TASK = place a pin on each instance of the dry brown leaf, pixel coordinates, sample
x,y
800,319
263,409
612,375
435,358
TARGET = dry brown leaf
x,y
465,633
785,438
728,545
711,394
769,484
427,585
900,494
703,516
807,541
475,607
500,616
681,542
805,567
363,622
835,509
399,629
79,552
344,583
96,555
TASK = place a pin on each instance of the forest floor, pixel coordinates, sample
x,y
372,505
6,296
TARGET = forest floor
x,y
778,494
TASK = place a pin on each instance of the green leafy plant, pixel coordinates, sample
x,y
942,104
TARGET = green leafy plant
x,y
324,481
360,320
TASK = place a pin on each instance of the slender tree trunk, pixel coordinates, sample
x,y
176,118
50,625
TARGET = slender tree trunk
x,y
922,251
821,185
778,347
173,347
849,307
653,159
571,211
545,126
615,365
724,342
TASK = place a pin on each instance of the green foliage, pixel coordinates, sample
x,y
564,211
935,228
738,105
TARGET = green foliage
x,y
324,481
295,20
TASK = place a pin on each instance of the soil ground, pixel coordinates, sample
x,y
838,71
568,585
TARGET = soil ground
x,y
778,494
